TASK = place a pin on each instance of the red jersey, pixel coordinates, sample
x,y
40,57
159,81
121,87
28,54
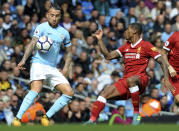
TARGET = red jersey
x,y
136,57
172,45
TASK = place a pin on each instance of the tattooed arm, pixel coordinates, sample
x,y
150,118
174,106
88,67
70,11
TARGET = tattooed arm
x,y
172,71
28,51
163,64
108,55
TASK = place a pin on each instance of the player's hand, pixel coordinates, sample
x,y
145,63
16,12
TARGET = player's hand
x,y
99,34
168,85
172,71
21,64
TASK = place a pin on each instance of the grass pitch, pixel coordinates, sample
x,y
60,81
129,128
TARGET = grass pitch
x,y
99,127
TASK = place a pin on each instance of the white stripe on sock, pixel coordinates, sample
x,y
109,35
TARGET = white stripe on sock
x,y
101,99
134,89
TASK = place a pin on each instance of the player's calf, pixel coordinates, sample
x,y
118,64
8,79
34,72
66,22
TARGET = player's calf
x,y
133,83
98,106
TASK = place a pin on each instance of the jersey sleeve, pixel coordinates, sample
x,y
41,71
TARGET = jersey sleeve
x,y
151,51
67,42
38,31
169,44
121,49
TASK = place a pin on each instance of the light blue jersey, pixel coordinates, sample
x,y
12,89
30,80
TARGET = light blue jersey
x,y
59,36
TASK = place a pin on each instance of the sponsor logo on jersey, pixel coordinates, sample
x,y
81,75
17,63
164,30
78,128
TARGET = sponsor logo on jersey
x,y
132,56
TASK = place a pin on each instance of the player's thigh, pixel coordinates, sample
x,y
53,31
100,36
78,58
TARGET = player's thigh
x,y
109,92
122,88
37,72
65,89
55,78
36,85
133,81
143,83
116,91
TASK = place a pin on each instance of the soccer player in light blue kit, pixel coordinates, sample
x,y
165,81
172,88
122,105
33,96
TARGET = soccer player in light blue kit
x,y
44,66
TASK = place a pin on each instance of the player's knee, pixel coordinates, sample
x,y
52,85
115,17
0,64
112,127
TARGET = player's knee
x,y
69,92
104,94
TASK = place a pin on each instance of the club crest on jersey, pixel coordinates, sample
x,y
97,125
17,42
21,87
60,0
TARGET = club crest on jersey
x,y
138,50
62,36
154,49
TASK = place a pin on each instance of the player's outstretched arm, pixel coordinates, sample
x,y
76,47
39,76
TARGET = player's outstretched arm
x,y
172,71
108,55
30,47
163,64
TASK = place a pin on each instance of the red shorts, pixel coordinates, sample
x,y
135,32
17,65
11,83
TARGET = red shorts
x,y
175,82
123,88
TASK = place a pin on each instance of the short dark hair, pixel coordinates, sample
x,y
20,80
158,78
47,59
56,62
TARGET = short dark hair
x,y
120,106
55,6
137,26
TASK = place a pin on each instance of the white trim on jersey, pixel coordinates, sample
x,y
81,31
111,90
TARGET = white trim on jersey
x,y
164,47
157,56
133,45
119,53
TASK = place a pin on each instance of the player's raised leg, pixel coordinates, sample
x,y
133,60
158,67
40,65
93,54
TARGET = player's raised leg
x,y
133,83
36,87
108,93
64,99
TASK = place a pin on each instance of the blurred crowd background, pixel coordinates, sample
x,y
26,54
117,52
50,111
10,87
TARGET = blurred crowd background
x,y
90,72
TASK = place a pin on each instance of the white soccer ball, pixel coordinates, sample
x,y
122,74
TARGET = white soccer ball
x,y
44,44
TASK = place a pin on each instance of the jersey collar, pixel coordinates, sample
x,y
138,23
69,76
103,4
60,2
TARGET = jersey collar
x,y
136,43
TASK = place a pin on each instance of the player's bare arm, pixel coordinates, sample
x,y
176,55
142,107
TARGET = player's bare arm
x,y
30,47
108,55
68,61
172,71
163,64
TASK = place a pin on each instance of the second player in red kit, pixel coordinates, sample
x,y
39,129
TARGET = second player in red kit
x,y
170,54
136,53
136,57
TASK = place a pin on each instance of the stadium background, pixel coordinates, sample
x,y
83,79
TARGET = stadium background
x,y
89,73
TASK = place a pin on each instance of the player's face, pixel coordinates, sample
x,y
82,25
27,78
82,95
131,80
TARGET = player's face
x,y
53,17
128,34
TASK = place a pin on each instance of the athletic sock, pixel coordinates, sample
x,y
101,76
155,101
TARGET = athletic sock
x,y
59,104
135,98
27,102
98,106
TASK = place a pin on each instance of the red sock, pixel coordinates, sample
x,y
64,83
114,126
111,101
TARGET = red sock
x,y
96,109
135,101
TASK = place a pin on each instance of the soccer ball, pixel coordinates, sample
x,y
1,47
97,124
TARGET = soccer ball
x,y
44,43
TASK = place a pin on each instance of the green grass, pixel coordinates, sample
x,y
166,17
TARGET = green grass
x,y
99,127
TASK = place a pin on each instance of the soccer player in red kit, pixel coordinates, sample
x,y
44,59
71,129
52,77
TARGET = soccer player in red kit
x,y
136,53
170,53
